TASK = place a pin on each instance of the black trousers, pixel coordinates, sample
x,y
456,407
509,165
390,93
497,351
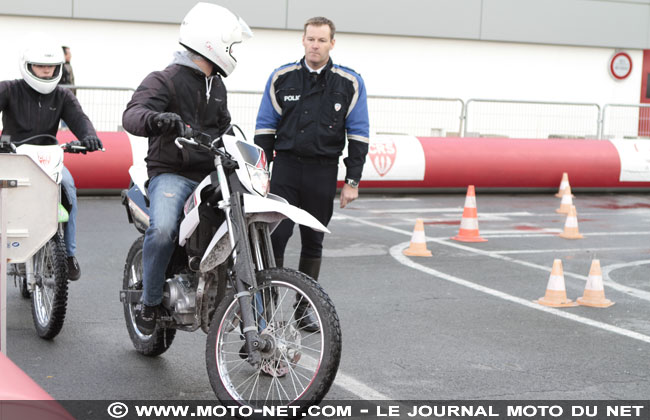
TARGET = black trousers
x,y
310,184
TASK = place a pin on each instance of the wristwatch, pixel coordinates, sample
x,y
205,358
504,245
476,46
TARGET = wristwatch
x,y
352,182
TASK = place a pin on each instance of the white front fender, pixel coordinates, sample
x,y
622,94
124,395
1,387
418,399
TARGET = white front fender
x,y
275,204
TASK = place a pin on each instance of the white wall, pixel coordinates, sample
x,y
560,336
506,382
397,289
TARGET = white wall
x,y
121,53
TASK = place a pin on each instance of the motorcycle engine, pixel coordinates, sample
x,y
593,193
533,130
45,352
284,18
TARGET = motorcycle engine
x,y
179,297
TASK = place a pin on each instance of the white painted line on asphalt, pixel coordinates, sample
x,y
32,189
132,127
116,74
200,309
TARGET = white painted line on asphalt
x,y
550,232
396,252
429,210
444,241
347,382
509,233
384,199
357,388
622,288
558,250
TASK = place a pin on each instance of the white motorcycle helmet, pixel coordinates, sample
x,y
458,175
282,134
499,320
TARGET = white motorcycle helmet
x,y
212,31
46,55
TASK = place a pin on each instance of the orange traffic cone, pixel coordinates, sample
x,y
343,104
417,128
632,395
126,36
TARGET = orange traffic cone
x,y
571,226
418,246
594,294
555,291
567,201
468,231
563,184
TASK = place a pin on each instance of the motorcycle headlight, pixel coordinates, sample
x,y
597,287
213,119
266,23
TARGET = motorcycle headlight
x,y
259,179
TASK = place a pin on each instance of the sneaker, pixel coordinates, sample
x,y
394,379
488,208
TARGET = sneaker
x,y
305,318
146,319
74,271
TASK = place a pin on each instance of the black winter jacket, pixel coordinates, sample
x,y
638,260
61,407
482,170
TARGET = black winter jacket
x,y
311,115
26,112
183,89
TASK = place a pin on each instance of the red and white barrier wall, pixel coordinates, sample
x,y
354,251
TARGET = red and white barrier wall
x,y
108,170
431,163
398,162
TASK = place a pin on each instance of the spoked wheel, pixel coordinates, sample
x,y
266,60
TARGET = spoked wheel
x,y
299,368
159,341
50,294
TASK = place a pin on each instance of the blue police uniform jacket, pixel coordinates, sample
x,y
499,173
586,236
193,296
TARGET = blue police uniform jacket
x,y
309,115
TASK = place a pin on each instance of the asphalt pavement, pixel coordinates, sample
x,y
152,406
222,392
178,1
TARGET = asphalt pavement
x,y
461,324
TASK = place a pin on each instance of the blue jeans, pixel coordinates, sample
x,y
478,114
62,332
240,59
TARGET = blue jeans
x,y
70,229
167,196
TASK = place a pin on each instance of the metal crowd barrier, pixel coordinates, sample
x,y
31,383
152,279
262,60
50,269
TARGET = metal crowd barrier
x,y
103,105
416,116
426,116
404,115
529,119
625,121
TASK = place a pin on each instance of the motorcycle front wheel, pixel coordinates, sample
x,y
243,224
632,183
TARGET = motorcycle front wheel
x,y
299,368
161,338
50,294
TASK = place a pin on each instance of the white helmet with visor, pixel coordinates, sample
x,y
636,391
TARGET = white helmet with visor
x,y
42,55
212,31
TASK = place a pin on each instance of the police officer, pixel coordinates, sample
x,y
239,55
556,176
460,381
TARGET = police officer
x,y
307,109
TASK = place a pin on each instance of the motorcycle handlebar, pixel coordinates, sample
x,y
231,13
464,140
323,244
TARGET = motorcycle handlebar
x,y
76,147
213,146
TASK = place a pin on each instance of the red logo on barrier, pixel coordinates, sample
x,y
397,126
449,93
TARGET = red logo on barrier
x,y
382,155
44,158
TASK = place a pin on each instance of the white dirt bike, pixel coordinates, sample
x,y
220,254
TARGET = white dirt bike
x,y
44,278
222,278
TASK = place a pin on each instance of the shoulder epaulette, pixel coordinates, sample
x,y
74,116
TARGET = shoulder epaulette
x,y
347,68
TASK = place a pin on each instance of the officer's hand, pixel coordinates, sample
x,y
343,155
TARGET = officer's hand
x,y
92,143
348,195
169,122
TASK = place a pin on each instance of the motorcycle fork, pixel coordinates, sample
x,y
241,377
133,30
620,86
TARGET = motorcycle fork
x,y
244,271
262,249
245,283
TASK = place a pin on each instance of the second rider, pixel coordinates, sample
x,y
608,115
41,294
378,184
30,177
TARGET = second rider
x,y
188,93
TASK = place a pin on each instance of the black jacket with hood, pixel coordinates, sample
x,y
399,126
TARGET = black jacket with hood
x,y
201,101
26,112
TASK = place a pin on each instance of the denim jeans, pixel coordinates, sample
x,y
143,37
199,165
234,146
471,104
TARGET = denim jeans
x,y
70,229
167,196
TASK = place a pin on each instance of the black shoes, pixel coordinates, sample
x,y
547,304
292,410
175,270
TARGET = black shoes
x,y
74,271
306,318
146,319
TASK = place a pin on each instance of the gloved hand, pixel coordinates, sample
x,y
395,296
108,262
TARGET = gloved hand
x,y
92,143
169,122
70,147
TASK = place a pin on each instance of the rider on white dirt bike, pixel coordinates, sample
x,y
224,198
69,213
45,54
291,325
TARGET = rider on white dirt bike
x,y
34,106
205,260
44,277
188,92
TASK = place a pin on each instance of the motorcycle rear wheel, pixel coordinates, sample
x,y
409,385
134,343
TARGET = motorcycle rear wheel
x,y
50,294
161,339
300,368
